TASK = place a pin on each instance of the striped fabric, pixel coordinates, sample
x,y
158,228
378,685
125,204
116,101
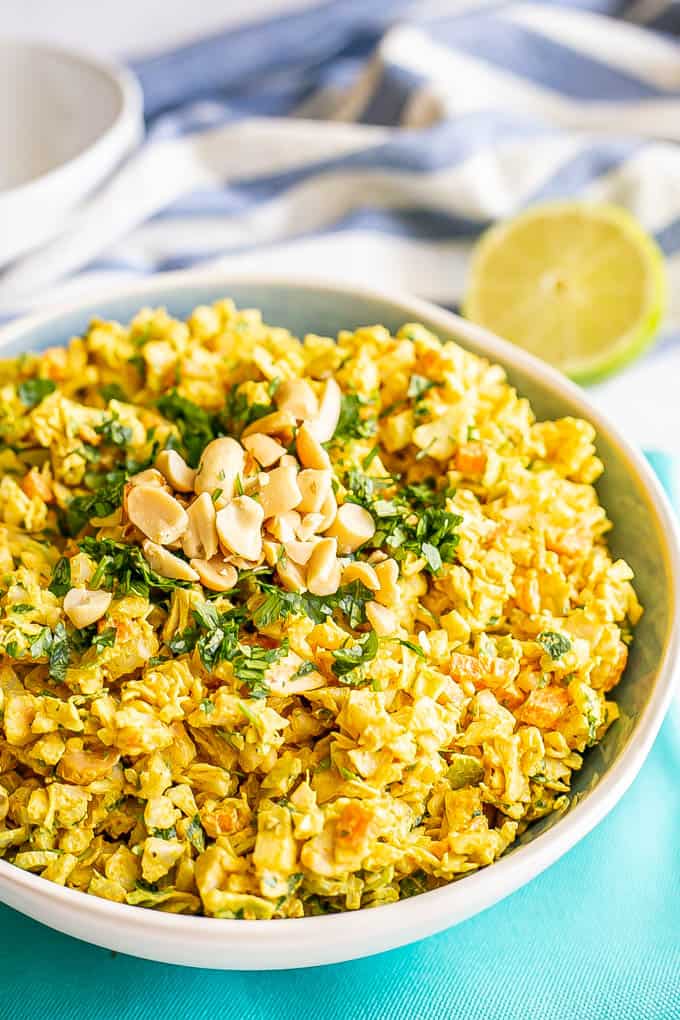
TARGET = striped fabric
x,y
372,140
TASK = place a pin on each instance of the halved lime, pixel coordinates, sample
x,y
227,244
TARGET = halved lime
x,y
579,284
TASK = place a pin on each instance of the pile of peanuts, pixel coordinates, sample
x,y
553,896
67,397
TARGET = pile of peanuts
x,y
252,502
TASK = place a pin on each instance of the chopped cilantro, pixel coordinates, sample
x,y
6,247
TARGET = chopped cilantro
x,y
195,425
351,423
104,639
418,386
412,647
556,645
349,599
59,654
112,391
207,706
122,568
32,391
354,656
61,578
413,884
112,431
21,607
169,833
41,645
238,413
304,670
196,834
100,503
216,638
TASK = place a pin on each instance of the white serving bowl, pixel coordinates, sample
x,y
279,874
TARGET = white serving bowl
x,y
644,533
66,122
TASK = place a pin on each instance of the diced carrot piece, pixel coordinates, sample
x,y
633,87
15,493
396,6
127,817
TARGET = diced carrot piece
x,y
544,706
471,459
466,667
34,484
352,825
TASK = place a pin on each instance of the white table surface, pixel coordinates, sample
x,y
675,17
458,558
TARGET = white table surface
x,y
125,27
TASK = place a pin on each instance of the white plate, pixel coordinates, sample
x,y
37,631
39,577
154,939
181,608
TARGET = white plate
x,y
66,122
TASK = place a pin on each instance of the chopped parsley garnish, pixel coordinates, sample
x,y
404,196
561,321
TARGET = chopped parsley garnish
x,y
112,391
238,413
355,656
123,569
433,536
21,607
418,386
32,391
104,639
60,582
412,647
352,424
59,654
113,431
169,833
411,520
304,670
349,599
195,425
215,636
100,503
556,645
196,834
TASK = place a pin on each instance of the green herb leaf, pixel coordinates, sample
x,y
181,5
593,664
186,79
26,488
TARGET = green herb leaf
x,y
196,834
556,645
59,654
412,647
352,424
418,386
32,391
114,432
61,578
195,425
122,568
104,639
238,413
169,833
355,656
112,391
102,502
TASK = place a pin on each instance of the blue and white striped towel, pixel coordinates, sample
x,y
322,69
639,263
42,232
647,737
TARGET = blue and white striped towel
x,y
372,140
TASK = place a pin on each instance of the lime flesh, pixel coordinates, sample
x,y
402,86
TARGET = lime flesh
x,y
578,284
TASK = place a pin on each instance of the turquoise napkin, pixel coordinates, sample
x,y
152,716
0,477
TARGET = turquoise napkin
x,y
595,937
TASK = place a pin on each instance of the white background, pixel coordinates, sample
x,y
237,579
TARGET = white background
x,y
129,27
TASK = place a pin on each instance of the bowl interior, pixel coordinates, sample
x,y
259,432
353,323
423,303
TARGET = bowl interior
x,y
53,106
635,536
